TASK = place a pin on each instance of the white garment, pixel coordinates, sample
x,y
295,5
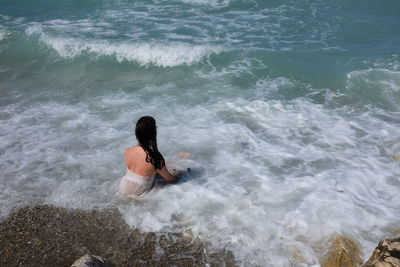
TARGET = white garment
x,y
135,184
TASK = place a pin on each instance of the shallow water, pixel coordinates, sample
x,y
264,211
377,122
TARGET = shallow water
x,y
289,108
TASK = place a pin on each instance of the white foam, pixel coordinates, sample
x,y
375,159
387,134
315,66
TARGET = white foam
x,y
82,26
281,172
4,17
379,78
377,86
269,85
163,55
213,3
3,33
269,178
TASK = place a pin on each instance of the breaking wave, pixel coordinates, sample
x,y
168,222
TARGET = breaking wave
x,y
145,54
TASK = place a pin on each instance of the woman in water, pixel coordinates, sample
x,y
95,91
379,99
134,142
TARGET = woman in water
x,y
144,161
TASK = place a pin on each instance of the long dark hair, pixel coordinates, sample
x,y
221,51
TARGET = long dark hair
x,y
146,135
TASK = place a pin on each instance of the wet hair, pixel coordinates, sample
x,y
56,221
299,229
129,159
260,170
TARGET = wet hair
x,y
146,135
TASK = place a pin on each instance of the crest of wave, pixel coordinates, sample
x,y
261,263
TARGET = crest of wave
x,y
3,33
214,3
158,54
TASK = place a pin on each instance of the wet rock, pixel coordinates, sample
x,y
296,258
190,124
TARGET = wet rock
x,y
396,157
52,236
343,251
386,254
90,261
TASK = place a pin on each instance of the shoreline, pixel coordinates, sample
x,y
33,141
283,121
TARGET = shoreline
x,y
45,235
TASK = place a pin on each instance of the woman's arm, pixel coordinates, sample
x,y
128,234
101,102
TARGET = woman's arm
x,y
167,175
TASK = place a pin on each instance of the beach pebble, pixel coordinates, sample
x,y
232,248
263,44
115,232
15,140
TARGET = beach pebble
x,y
90,261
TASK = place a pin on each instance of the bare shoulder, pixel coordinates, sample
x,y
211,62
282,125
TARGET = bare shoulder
x,y
129,150
133,149
136,151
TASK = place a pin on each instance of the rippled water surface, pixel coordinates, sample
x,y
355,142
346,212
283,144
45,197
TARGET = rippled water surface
x,y
289,108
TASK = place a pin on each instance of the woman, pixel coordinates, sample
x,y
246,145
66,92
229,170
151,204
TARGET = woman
x,y
144,161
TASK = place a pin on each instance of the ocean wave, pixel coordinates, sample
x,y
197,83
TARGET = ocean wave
x,y
158,54
213,3
376,86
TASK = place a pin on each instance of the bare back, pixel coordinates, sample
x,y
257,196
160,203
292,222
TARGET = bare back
x,y
135,159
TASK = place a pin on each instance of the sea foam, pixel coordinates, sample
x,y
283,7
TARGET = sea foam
x,y
269,178
3,33
213,3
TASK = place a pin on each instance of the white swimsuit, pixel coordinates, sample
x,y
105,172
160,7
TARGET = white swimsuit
x,y
135,184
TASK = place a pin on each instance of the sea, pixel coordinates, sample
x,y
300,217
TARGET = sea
x,y
290,110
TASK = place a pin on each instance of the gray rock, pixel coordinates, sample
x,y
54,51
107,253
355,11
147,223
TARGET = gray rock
x,y
90,261
386,254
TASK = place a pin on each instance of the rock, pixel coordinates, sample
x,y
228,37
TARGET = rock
x,y
344,251
386,254
90,261
396,157
54,236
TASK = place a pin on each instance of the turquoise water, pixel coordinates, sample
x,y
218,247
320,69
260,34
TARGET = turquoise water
x,y
289,108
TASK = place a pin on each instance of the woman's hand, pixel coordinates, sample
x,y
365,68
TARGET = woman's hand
x,y
184,155
177,173
167,175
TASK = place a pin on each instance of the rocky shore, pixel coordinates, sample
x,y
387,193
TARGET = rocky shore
x,y
52,236
386,254
346,252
